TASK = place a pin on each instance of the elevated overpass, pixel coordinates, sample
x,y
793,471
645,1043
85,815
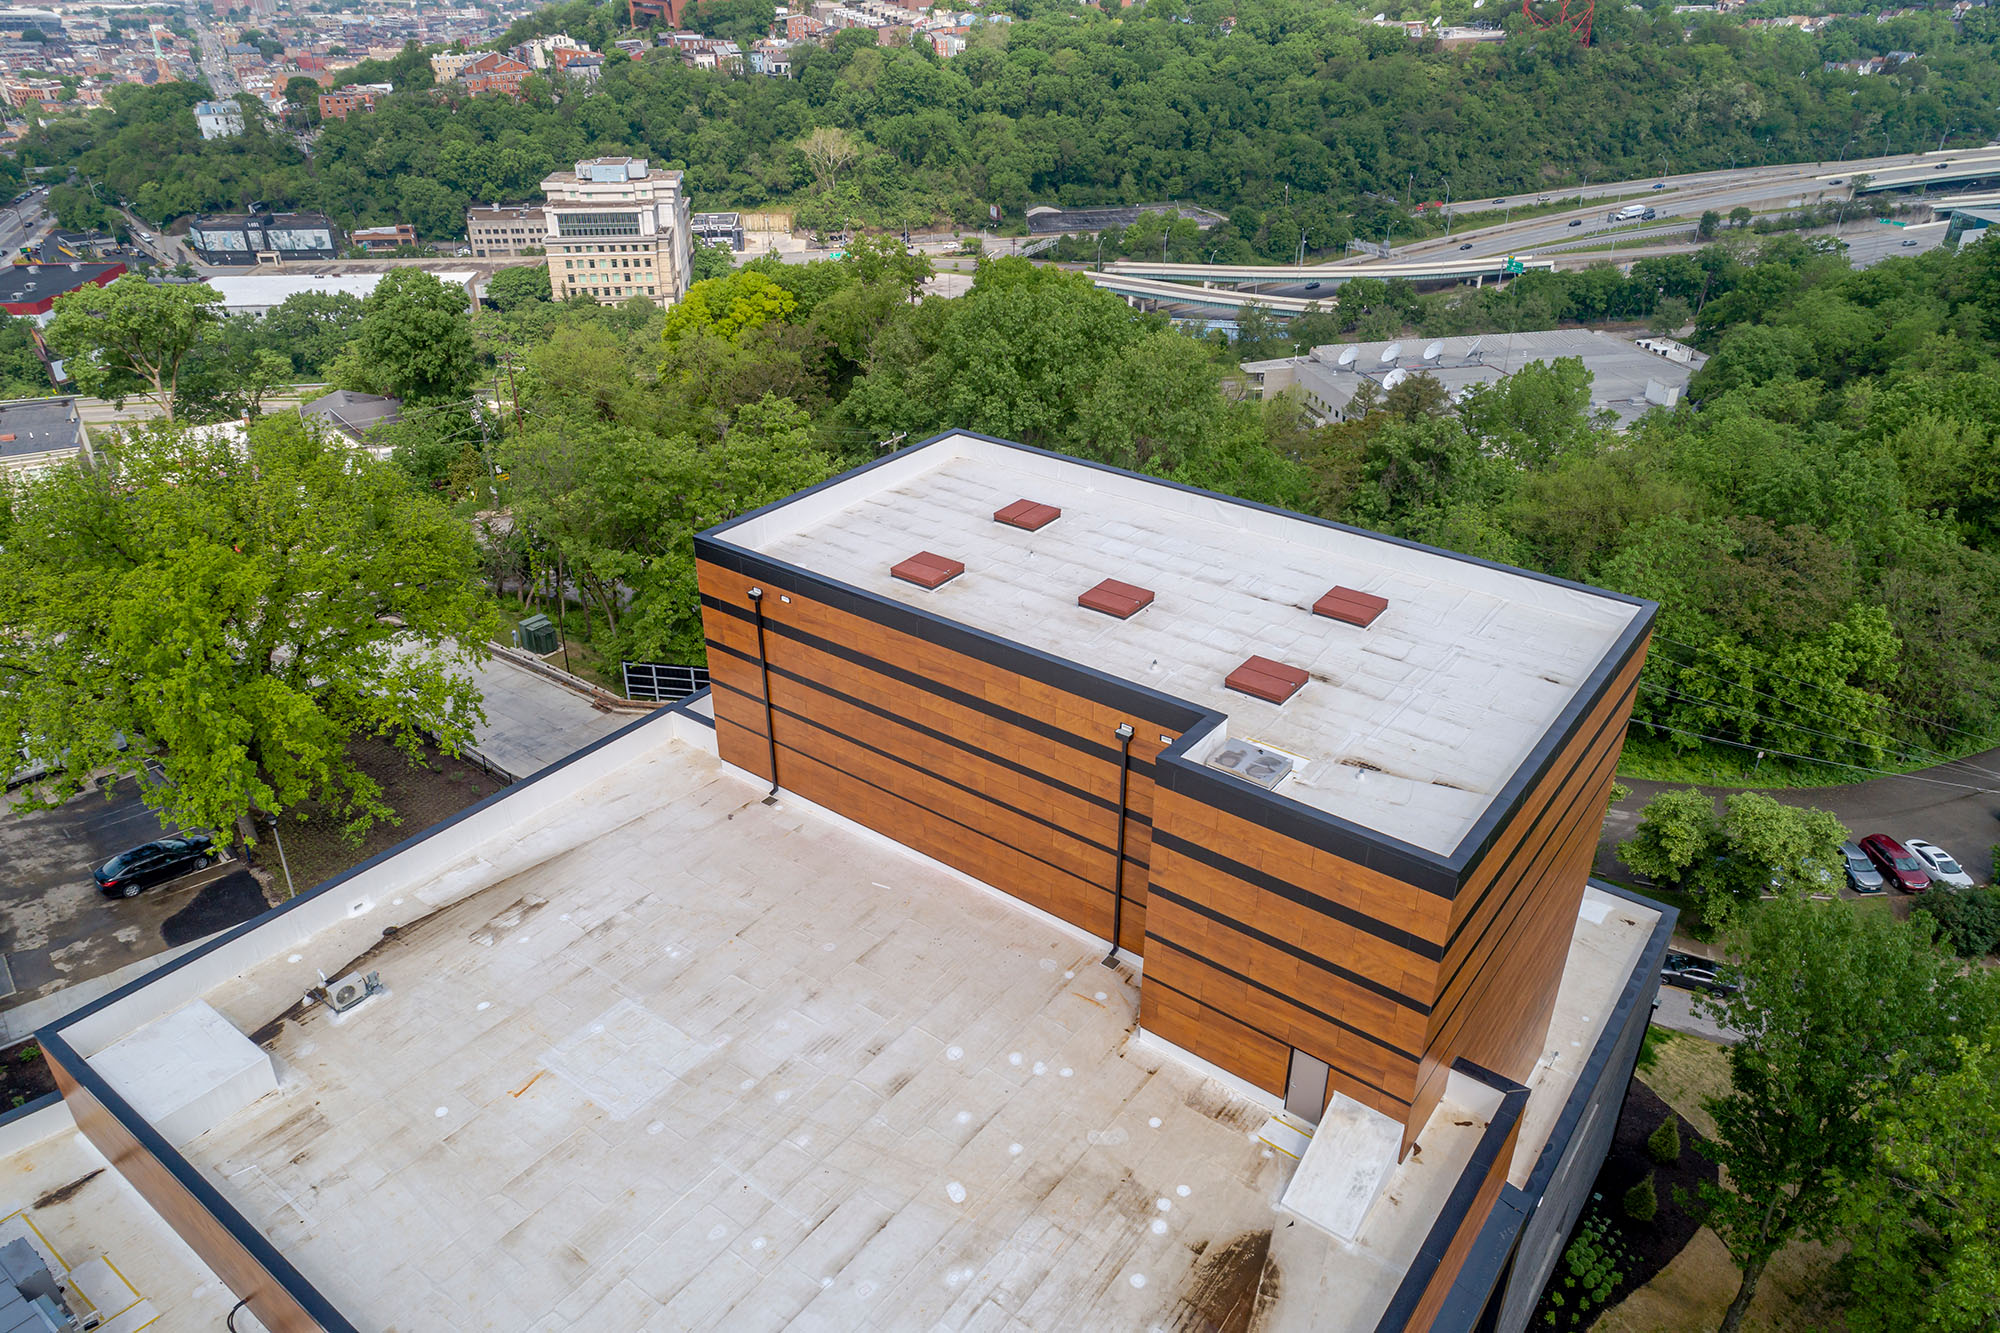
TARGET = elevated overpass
x,y
1950,168
1287,275
1220,300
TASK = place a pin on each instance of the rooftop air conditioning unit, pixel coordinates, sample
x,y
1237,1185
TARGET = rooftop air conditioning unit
x,y
349,991
1252,762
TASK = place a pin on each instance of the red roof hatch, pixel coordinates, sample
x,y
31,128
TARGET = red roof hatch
x,y
1351,606
1028,514
928,570
1116,599
1261,678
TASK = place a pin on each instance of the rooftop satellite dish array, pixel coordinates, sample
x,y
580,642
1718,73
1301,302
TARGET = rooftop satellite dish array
x,y
1347,355
1391,352
1434,351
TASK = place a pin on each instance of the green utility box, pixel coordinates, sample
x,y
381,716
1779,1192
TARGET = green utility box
x,y
538,635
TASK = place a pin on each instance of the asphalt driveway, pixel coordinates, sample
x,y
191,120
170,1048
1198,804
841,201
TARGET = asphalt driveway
x,y
1955,805
56,929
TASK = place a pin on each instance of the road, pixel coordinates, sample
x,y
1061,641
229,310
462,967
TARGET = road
x,y
1954,805
24,222
214,61
1685,198
99,412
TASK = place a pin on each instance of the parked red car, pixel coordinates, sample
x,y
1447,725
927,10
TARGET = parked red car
x,y
1898,864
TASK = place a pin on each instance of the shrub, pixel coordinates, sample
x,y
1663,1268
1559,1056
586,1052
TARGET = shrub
x,y
1969,921
1642,1201
1591,1269
1663,1145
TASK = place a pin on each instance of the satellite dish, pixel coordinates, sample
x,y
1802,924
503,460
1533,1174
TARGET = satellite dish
x,y
1391,352
1434,351
1476,4
1472,352
1395,377
1380,17
1436,21
1347,355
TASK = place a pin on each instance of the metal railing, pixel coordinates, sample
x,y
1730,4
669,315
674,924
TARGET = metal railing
x,y
663,682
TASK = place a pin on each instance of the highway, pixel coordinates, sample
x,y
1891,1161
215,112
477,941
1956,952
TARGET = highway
x,y
23,222
1686,198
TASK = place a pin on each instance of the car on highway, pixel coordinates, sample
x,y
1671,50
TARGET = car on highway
x,y
1862,876
1576,222
1899,866
1938,864
1312,286
1500,200
1911,243
1693,973
153,863
1466,246
1659,185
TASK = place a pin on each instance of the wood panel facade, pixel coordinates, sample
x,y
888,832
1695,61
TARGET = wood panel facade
x,y
1267,927
233,1250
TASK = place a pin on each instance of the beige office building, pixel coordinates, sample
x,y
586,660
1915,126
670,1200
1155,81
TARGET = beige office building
x,y
504,231
616,229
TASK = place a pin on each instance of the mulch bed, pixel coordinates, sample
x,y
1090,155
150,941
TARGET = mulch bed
x,y
24,1075
421,794
1648,1246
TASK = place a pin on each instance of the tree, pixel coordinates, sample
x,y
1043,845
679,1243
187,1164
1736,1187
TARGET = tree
x,y
1771,845
414,340
302,91
1924,1221
1678,831
828,151
1663,1145
1840,1011
131,336
1711,222
1967,921
512,288
729,307
710,259
1740,216
242,611
1642,1201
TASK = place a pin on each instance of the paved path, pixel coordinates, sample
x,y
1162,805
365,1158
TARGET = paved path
x,y
531,721
1955,805
1676,1011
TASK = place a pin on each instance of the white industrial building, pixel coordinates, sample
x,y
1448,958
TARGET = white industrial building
x,y
1626,377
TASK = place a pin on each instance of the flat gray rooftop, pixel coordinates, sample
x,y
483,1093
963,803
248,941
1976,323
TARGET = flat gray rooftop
x,y
1409,727
672,1057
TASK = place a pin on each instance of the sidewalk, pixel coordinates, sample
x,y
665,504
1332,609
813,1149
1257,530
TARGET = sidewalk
x,y
532,721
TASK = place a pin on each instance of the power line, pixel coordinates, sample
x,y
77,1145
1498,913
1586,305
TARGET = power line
x,y
1794,726
1821,685
1806,758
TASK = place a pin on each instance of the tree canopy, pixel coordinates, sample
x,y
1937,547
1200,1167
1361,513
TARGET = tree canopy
x,y
239,611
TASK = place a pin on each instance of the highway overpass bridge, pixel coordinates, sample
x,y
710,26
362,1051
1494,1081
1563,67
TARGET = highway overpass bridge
x,y
1950,168
1210,300
1327,275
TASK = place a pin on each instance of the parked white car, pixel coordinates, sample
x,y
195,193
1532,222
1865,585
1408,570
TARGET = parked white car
x,y
1938,863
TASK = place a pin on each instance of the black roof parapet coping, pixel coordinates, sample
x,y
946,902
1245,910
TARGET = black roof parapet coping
x,y
1458,1207
1428,871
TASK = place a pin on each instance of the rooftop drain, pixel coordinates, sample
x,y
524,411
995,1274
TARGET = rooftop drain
x,y
1029,515
1116,599
1261,678
928,570
1352,606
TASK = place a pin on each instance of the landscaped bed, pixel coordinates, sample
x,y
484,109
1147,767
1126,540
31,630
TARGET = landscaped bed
x,y
1609,1253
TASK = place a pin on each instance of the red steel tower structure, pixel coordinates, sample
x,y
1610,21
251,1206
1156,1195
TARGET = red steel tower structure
x,y
1573,16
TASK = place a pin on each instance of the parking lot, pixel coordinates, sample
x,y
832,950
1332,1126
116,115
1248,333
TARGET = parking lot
x,y
56,929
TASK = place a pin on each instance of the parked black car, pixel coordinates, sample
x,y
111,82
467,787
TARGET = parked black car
x,y
154,863
1692,973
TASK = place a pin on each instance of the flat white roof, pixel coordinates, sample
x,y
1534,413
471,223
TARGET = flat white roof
x,y
1409,727
654,1053
259,291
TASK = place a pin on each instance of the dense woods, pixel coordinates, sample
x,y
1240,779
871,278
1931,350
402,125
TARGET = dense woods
x,y
1296,120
